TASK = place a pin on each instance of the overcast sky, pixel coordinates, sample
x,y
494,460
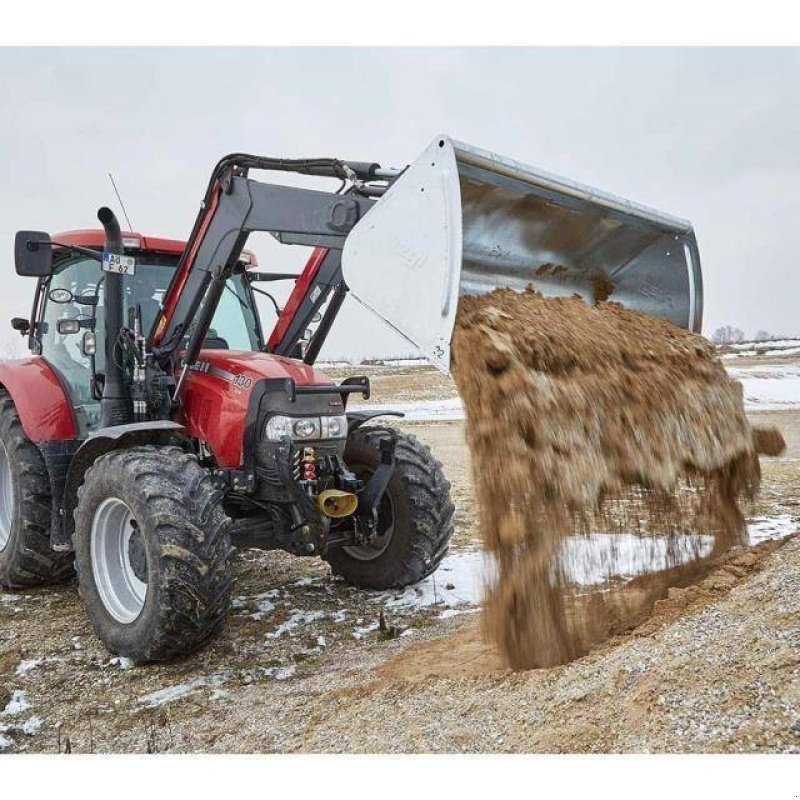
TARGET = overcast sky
x,y
710,134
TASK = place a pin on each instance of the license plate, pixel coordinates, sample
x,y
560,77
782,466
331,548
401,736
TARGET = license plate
x,y
122,265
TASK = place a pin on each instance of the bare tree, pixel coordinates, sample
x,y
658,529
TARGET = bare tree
x,y
763,336
727,334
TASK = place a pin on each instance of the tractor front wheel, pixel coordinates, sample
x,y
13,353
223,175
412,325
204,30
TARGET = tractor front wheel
x,y
151,552
415,516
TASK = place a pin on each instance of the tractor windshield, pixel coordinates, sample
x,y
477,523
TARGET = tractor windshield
x,y
235,325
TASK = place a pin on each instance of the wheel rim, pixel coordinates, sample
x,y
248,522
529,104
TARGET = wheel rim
x,y
6,497
376,548
115,539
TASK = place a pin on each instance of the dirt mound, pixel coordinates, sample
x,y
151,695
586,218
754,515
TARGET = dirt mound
x,y
467,653
585,421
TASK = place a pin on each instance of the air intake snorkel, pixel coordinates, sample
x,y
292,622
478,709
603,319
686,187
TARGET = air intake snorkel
x,y
116,406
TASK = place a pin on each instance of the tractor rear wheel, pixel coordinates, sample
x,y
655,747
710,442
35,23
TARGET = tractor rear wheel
x,y
26,558
415,516
152,552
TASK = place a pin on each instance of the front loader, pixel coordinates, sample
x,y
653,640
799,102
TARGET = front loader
x,y
155,426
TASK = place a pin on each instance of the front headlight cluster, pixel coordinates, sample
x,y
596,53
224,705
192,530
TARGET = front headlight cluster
x,y
305,429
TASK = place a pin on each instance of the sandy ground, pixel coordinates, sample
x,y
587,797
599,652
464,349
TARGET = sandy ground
x,y
303,666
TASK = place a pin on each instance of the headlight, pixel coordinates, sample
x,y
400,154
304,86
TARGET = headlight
x,y
278,427
334,427
305,428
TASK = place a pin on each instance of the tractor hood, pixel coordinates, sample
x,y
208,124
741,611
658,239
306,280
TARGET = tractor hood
x,y
217,395
241,367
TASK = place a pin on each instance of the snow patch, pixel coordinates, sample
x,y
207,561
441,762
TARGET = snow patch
x,y
361,632
462,577
296,619
454,612
260,605
172,693
280,673
5,742
424,410
27,665
16,705
769,387
759,529
32,725
460,580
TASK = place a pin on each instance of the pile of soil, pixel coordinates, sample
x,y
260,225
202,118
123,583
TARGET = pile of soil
x,y
594,419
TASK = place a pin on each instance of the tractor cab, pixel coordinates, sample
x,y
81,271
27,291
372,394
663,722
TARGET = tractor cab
x,y
69,322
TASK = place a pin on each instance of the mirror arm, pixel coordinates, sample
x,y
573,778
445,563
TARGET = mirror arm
x,y
84,251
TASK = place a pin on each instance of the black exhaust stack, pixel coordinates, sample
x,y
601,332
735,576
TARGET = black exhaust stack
x,y
116,406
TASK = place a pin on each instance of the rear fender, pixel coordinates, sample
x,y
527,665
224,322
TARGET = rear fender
x,y
99,443
40,398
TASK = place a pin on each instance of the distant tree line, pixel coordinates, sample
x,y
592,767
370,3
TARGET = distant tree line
x,y
728,334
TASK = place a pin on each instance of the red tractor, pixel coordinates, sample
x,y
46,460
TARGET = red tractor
x,y
155,426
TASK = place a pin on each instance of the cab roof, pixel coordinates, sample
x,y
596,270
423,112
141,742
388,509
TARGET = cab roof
x,y
134,241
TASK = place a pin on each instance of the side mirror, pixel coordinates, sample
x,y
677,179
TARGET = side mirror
x,y
21,324
33,254
69,326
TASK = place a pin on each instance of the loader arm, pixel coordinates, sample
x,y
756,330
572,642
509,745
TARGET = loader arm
x,y
235,206
458,220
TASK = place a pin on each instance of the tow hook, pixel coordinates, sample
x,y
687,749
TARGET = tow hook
x,y
370,496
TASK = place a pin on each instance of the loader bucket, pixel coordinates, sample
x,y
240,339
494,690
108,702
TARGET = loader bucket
x,y
461,220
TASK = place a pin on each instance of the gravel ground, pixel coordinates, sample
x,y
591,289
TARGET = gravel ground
x,y
303,664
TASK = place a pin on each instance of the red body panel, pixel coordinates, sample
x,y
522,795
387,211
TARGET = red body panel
x,y
42,402
300,290
215,408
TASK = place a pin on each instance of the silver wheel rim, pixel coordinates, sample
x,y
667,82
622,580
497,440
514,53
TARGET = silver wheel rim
x,y
376,548
6,497
121,591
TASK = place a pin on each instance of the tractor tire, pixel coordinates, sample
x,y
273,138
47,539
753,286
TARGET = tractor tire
x,y
152,553
25,555
415,518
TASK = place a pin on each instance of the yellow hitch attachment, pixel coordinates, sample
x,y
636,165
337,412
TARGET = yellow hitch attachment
x,y
336,503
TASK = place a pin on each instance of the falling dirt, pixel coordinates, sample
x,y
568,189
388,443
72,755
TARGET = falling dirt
x,y
602,287
586,420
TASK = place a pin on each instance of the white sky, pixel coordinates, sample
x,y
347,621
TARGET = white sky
x,y
707,134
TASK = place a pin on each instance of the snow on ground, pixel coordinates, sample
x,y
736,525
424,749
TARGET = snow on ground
x,y
460,580
759,529
769,387
463,576
16,705
777,344
766,388
424,410
171,693
784,351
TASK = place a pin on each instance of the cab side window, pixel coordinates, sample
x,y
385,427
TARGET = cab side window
x,y
63,351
